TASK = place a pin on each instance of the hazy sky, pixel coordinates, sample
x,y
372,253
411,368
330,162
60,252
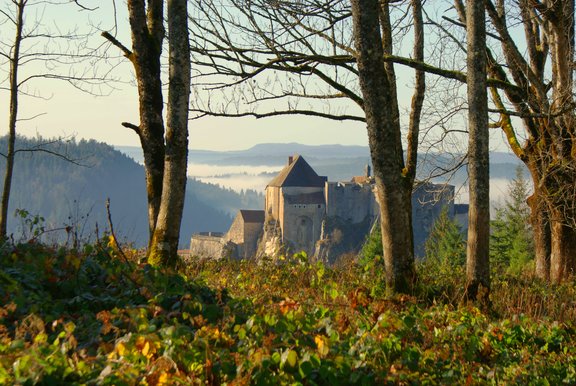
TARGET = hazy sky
x,y
70,112
67,111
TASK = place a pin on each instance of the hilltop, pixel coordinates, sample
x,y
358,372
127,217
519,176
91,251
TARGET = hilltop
x,y
74,194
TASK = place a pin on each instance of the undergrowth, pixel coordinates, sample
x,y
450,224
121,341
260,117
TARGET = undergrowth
x,y
93,317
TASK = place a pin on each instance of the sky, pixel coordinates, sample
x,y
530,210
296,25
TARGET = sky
x,y
69,112
63,111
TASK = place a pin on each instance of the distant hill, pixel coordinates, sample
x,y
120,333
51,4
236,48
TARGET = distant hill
x,y
69,194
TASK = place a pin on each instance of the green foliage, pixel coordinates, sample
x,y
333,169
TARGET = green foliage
x,y
373,245
445,245
441,272
511,240
90,317
31,226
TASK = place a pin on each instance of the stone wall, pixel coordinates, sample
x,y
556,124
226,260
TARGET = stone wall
x,y
303,225
272,202
301,217
252,233
350,201
207,246
428,200
236,231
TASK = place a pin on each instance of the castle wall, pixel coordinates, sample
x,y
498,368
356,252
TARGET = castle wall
x,y
236,231
350,201
303,225
206,246
428,200
287,218
273,202
252,232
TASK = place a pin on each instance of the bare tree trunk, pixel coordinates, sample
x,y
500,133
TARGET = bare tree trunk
x,y
147,36
477,254
164,245
165,159
394,188
541,229
14,63
563,253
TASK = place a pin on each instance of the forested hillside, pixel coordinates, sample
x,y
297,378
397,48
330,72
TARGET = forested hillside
x,y
74,193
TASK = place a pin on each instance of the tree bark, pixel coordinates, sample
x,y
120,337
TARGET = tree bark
x,y
394,188
541,228
477,254
11,152
164,246
542,241
147,36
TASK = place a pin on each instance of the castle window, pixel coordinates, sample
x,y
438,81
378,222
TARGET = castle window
x,y
319,206
303,206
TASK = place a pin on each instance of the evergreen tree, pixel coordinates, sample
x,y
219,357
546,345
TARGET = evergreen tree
x,y
511,241
446,245
373,245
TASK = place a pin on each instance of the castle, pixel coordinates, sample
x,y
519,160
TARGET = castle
x,y
305,212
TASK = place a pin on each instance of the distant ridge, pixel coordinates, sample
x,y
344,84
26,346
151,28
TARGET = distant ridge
x,y
282,150
337,162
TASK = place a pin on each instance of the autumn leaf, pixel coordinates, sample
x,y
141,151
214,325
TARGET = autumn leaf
x,y
322,345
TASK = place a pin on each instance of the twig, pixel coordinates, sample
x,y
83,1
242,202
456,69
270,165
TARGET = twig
x,y
116,243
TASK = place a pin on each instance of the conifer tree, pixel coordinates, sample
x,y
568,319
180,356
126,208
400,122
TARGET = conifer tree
x,y
512,245
445,244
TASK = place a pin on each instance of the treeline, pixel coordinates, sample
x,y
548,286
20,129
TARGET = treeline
x,y
67,183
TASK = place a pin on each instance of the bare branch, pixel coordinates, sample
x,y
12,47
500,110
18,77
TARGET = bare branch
x,y
131,126
333,117
115,42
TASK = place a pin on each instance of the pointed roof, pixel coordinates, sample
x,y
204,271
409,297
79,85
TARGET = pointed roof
x,y
252,216
298,173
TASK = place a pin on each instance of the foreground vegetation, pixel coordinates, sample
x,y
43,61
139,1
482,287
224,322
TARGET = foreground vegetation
x,y
99,317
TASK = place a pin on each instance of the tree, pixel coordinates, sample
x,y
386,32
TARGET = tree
x,y
373,245
477,254
13,115
165,151
544,102
60,55
445,244
394,178
531,87
511,239
294,54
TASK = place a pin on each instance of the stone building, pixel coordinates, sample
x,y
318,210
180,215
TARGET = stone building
x,y
295,203
240,242
245,231
305,212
